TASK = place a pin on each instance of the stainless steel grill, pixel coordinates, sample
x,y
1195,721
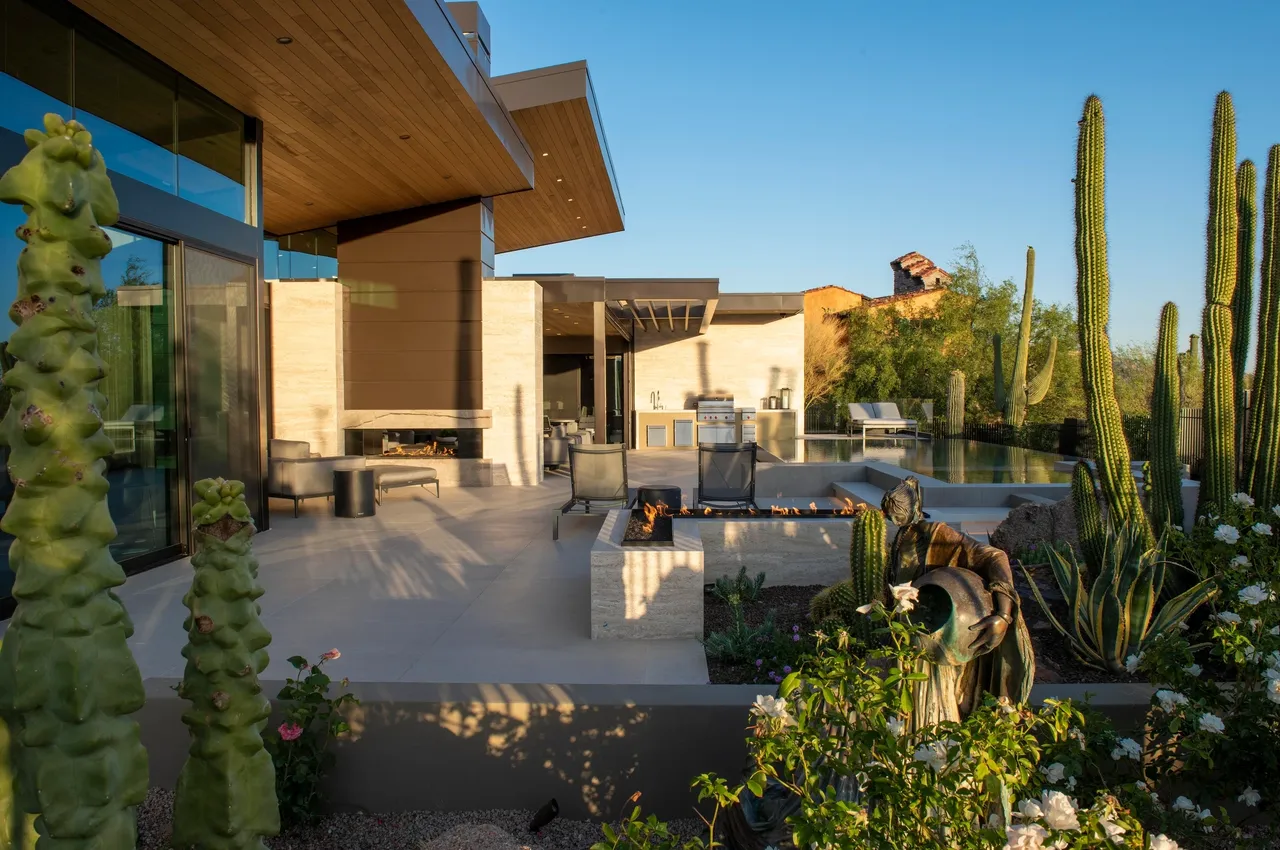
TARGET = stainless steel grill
x,y
717,421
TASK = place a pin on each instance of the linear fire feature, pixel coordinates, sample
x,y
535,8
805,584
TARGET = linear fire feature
x,y
649,526
415,443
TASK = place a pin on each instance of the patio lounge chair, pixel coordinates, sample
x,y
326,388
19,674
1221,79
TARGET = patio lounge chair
x,y
880,416
598,478
726,475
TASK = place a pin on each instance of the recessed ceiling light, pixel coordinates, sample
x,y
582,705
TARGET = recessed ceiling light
x,y
584,227
571,200
578,217
404,135
547,154
307,203
559,179
284,39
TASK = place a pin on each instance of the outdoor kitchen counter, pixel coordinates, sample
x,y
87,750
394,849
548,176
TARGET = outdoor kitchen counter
x,y
771,426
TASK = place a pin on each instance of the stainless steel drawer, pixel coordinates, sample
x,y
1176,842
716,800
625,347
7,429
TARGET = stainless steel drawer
x,y
684,434
655,436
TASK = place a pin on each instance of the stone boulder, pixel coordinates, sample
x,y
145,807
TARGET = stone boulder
x,y
1032,525
474,836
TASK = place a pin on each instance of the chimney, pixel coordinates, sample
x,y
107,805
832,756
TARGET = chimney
x,y
475,27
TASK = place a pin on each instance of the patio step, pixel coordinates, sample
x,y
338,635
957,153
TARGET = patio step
x,y
860,492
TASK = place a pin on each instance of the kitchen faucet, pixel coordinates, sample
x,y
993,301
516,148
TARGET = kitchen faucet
x,y
655,400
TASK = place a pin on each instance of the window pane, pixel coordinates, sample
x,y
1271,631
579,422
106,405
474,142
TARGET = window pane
x,y
211,153
128,106
37,55
140,417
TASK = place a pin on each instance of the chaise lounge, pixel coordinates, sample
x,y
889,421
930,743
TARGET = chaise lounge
x,y
879,416
295,472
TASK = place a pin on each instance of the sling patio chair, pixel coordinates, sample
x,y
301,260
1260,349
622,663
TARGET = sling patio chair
x,y
726,475
597,478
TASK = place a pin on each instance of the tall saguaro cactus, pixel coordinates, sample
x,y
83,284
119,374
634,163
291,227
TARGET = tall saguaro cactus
x,y
1021,394
68,683
1262,467
867,565
226,792
955,404
1084,502
1219,477
1165,468
1093,295
1242,302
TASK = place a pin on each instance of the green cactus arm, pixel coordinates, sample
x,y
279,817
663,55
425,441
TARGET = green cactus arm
x,y
955,403
68,682
1165,468
1039,386
997,366
1093,294
225,798
1219,477
1263,472
1242,300
1015,405
1084,500
868,571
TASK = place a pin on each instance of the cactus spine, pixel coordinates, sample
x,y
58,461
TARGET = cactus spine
x,y
1262,470
1093,294
1020,394
955,404
68,683
1242,303
1164,471
226,792
867,566
1219,477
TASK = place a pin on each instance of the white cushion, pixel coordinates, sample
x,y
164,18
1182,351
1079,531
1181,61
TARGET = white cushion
x,y
884,423
887,410
859,412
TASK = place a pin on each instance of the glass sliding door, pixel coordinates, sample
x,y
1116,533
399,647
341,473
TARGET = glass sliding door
x,y
221,351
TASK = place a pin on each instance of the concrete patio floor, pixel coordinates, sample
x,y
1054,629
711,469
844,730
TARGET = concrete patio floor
x,y
468,588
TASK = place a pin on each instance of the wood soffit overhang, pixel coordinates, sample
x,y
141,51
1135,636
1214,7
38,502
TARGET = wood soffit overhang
x,y
373,106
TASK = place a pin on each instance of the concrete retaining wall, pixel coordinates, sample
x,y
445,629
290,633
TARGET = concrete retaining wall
x,y
448,747
803,551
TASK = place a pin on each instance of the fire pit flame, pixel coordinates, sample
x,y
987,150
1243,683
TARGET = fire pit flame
x,y
420,450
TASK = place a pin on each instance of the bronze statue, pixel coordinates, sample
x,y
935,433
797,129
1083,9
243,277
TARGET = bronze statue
x,y
976,641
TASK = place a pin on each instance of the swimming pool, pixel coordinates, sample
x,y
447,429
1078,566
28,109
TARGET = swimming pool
x,y
955,461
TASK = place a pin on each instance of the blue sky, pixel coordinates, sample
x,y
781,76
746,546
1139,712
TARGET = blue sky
x,y
782,146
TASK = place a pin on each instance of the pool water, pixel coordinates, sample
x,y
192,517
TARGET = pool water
x,y
955,461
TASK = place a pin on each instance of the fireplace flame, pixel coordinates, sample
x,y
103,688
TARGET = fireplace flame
x,y
420,450
813,506
706,511
650,515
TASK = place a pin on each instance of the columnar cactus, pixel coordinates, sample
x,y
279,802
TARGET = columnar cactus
x,y
955,404
1089,527
1021,394
867,566
1262,469
1093,294
226,792
1164,470
68,683
1242,303
997,368
1219,477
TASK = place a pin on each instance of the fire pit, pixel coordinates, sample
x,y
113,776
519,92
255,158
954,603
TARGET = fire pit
x,y
649,525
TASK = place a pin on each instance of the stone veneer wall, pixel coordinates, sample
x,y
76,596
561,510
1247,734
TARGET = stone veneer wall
x,y
306,363
511,316
749,357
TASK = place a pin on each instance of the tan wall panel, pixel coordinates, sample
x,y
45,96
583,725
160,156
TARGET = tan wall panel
x,y
412,366
413,395
410,336
405,277
415,248
306,363
392,306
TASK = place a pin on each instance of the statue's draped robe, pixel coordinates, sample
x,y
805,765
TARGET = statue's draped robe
x,y
950,693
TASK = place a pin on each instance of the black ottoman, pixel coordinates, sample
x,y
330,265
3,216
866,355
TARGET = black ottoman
x,y
353,493
652,494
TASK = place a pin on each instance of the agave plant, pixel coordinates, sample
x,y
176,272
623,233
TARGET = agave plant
x,y
1115,617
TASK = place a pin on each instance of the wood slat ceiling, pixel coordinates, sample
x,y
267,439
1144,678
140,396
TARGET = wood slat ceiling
x,y
574,195
335,102
567,320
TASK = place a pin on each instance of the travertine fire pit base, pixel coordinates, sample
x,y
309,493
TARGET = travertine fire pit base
x,y
647,592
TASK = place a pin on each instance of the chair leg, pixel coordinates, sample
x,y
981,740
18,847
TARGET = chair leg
x,y
437,489
555,526
295,507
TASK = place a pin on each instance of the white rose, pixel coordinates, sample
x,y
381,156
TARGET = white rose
x,y
1184,804
1029,810
905,596
896,726
1127,748
1114,830
1255,594
1262,528
1244,500
1029,836
1163,842
768,706
934,754
1249,797
1059,810
1240,560
865,609
1227,534
1131,663
1273,690
1077,736
1055,772
1212,723
1194,669
1227,617
1275,509
1274,631
1169,700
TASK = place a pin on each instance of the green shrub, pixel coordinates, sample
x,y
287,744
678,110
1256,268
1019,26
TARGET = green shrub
x,y
740,589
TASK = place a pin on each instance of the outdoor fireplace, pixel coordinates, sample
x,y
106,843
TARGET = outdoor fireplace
x,y
415,442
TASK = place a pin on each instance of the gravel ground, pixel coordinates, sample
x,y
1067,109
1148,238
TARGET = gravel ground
x,y
397,831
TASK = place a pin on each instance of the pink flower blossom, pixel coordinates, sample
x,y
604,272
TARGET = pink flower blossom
x,y
331,655
290,731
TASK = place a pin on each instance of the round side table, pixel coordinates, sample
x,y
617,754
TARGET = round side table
x,y
353,493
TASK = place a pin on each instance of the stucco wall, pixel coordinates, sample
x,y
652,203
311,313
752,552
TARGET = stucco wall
x,y
748,357
511,314
306,362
